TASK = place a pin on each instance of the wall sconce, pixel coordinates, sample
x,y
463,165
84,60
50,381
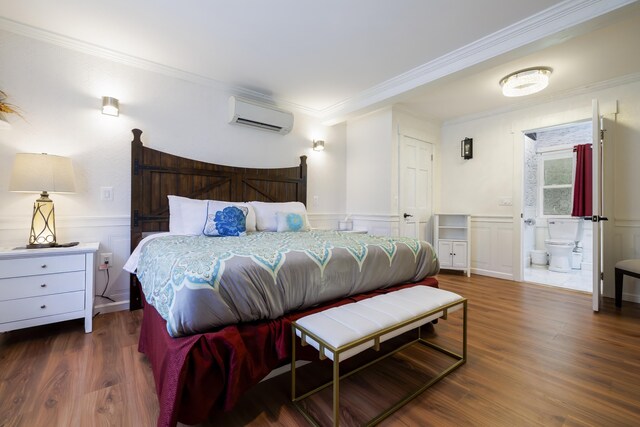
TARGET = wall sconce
x,y
318,145
466,148
110,106
42,173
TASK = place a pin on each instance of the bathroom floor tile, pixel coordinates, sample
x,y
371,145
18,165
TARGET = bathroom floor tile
x,y
579,280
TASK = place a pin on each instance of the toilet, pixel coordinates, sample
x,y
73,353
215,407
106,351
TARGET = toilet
x,y
564,235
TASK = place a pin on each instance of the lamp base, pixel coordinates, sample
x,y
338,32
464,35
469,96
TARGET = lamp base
x,y
52,245
41,245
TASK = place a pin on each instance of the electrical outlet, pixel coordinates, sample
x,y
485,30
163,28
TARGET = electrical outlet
x,y
105,260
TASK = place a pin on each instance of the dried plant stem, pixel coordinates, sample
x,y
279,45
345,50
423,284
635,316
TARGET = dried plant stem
x,y
7,108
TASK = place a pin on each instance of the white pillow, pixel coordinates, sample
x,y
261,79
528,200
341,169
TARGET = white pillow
x,y
266,214
187,216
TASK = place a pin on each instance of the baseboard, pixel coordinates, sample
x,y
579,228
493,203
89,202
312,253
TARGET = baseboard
x,y
110,307
490,273
630,297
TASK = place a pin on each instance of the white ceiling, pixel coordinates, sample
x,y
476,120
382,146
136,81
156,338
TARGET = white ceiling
x,y
605,55
336,57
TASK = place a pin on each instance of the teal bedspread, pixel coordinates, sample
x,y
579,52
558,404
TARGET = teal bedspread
x,y
198,283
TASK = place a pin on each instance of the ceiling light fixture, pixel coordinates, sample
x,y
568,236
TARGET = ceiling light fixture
x,y
525,82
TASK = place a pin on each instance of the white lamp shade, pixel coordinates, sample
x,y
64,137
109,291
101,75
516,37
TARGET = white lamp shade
x,y
34,172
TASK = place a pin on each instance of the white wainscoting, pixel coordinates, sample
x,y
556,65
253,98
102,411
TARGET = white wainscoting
x,y
377,224
625,244
492,246
325,221
492,250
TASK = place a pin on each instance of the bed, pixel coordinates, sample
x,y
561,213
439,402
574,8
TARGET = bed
x,y
203,370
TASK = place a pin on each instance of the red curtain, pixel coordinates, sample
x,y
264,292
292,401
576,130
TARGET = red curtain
x,y
583,184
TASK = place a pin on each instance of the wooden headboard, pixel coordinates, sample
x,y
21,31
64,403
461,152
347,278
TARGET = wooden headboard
x,y
155,175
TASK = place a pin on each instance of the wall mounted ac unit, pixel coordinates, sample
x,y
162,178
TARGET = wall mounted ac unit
x,y
259,116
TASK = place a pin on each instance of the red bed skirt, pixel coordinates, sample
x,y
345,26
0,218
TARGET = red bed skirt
x,y
199,376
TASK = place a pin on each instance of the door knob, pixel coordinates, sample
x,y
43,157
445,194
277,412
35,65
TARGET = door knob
x,y
406,215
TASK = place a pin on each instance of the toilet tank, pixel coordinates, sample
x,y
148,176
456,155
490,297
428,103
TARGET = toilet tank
x,y
565,229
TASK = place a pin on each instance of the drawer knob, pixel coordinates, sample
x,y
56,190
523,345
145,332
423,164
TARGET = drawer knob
x,y
44,285
43,266
43,306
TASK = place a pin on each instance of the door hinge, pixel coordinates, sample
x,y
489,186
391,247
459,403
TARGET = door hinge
x,y
601,275
602,131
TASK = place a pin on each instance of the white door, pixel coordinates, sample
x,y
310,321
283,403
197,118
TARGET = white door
x,y
597,205
414,201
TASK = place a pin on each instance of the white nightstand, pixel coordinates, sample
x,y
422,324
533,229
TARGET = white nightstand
x,y
40,286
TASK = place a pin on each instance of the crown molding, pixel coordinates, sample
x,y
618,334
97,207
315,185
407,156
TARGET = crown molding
x,y
534,28
543,24
144,64
545,99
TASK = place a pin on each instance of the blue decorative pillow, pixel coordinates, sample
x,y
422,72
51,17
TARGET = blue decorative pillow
x,y
291,221
230,221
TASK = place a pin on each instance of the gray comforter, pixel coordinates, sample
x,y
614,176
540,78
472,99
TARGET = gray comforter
x,y
197,283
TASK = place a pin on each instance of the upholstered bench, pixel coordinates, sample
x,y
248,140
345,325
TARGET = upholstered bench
x,y
629,267
342,332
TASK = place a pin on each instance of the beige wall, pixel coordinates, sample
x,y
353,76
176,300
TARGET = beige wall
x,y
59,92
476,186
368,156
372,166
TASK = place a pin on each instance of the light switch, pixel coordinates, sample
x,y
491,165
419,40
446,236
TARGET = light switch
x,y
106,193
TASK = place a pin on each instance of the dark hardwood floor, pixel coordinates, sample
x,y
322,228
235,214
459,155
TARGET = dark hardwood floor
x,y
537,356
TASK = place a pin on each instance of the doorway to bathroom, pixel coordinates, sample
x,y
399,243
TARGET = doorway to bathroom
x,y
557,248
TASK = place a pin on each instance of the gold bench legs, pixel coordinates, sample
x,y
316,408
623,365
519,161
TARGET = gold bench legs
x,y
460,359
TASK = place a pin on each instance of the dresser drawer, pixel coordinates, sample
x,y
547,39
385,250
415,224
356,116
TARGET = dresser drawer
x,y
48,305
33,266
46,284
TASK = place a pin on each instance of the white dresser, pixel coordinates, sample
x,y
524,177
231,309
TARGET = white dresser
x,y
40,286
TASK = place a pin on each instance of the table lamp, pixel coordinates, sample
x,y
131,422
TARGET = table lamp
x,y
42,173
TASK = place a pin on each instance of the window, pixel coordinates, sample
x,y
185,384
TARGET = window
x,y
555,182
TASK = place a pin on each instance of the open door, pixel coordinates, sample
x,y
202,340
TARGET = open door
x,y
597,205
415,184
